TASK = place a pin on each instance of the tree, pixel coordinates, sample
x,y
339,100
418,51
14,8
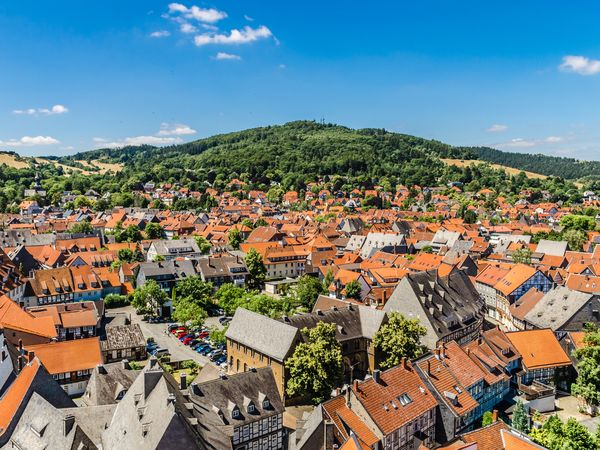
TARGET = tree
x,y
115,301
470,216
353,289
587,384
520,418
217,336
307,291
578,222
125,255
195,290
228,297
154,231
187,311
399,337
130,234
522,256
575,238
82,201
235,238
556,435
316,365
203,244
257,272
83,227
487,419
149,297
327,280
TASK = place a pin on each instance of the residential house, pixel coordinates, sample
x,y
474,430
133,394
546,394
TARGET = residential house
x,y
223,269
241,411
450,308
175,249
123,342
72,320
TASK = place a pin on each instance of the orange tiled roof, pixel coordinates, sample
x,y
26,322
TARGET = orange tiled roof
x,y
539,348
13,317
69,356
11,401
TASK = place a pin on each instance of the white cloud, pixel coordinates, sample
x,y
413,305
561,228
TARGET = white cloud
x,y
528,143
175,129
30,141
497,128
137,140
187,28
248,18
209,15
580,65
222,56
160,34
55,110
243,36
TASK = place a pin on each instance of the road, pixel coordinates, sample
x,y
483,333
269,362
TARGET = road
x,y
164,339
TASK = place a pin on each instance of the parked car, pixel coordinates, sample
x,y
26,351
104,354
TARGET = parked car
x,y
220,360
160,351
207,350
216,355
224,320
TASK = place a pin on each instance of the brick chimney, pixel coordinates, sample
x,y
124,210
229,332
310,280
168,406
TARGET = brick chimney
x,y
494,415
30,356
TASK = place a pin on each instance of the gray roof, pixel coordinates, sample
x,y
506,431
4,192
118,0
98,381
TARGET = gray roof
x,y
445,237
211,267
556,307
554,248
92,420
123,336
353,321
444,305
41,426
176,247
176,269
106,382
265,335
355,243
151,415
379,241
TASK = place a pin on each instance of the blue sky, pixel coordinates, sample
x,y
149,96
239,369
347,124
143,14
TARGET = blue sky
x,y
78,75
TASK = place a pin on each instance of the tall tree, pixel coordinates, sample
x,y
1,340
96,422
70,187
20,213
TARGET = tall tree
x,y
520,418
257,272
149,297
235,238
203,244
307,291
316,366
587,384
399,337
154,231
353,289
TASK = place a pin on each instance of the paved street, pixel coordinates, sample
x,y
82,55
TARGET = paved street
x,y
164,339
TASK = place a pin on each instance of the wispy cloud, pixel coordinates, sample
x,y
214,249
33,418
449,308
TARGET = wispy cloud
x,y
175,129
30,141
580,65
55,110
169,134
209,15
529,143
235,36
222,56
160,34
497,128
187,28
248,18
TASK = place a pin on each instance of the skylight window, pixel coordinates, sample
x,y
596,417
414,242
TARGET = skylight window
x,y
404,399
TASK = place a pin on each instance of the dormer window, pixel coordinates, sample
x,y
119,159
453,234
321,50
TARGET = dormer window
x,y
235,413
251,408
266,404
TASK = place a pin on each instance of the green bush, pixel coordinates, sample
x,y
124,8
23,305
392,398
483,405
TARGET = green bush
x,y
115,301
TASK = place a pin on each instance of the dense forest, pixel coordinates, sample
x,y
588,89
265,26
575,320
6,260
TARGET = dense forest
x,y
289,156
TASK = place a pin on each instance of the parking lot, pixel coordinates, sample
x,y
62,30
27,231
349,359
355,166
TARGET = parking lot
x,y
178,351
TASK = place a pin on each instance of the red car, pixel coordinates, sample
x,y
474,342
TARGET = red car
x,y
178,330
181,333
187,340
203,334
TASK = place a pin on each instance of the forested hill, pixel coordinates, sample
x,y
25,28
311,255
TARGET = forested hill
x,y
298,151
568,168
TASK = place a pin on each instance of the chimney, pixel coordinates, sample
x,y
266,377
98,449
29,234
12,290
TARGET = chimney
x,y
428,367
437,353
125,364
30,355
68,422
494,415
355,385
101,368
377,376
404,363
183,381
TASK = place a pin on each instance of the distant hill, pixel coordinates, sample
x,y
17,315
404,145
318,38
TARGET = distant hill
x,y
306,148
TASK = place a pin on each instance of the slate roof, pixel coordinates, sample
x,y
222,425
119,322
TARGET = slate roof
x,y
554,248
106,382
555,308
123,336
267,336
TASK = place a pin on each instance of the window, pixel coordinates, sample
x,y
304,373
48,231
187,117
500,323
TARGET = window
x,y
266,404
251,408
235,413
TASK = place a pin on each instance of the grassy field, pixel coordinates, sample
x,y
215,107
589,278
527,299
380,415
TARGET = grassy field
x,y
103,167
11,161
509,170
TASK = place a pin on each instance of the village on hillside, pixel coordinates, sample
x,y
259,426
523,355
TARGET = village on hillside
x,y
406,318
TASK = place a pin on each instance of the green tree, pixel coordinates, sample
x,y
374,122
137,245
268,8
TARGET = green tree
x,y
307,291
487,419
575,238
327,280
572,435
194,290
587,384
257,272
353,289
125,255
217,336
399,337
203,244
522,256
235,238
154,231
470,216
130,234
578,222
316,365
82,201
229,297
115,301
83,227
187,311
520,418
149,297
